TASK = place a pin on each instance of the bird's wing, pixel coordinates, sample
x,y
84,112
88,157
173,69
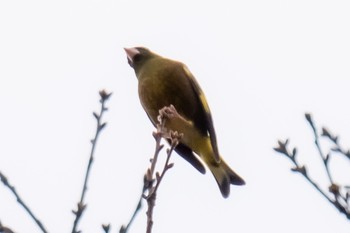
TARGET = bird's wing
x,y
208,121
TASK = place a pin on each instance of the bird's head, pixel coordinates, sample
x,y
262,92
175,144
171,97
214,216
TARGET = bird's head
x,y
137,56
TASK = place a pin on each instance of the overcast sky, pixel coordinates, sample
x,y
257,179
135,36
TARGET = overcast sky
x,y
261,64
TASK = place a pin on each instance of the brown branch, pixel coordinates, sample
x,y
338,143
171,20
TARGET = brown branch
x,y
147,179
5,181
152,179
340,201
99,127
282,148
152,189
165,113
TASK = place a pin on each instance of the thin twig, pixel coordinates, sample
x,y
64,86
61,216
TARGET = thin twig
x,y
123,228
151,199
283,149
174,137
5,181
81,206
151,183
147,180
152,190
324,158
326,133
167,164
341,201
333,187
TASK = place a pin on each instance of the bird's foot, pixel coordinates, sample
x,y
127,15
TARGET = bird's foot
x,y
167,112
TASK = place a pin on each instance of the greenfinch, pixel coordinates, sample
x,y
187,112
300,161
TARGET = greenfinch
x,y
164,82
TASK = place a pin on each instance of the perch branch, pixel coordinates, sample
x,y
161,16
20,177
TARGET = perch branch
x,y
152,179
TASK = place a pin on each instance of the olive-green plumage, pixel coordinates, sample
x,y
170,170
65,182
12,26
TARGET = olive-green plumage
x,y
164,82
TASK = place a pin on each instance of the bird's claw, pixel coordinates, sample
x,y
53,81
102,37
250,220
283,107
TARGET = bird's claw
x,y
168,112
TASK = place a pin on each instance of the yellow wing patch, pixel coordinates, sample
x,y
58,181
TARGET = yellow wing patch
x,y
200,93
204,102
205,106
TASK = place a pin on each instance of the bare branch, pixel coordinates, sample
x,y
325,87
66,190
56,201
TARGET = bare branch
x,y
5,181
337,198
123,228
325,158
333,138
153,179
99,127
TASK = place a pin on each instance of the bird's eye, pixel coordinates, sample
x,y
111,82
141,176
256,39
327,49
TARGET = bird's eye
x,y
137,58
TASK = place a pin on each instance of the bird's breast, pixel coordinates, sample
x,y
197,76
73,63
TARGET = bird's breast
x,y
162,85
154,95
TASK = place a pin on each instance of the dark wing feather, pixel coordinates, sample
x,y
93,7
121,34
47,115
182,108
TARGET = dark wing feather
x,y
186,153
204,121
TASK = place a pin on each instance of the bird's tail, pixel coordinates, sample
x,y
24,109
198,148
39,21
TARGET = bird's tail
x,y
225,176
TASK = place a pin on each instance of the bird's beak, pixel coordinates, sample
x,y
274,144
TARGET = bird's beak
x,y
131,52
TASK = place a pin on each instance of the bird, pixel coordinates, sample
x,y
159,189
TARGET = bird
x,y
165,82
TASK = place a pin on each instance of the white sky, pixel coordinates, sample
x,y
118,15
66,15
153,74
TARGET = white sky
x,y
262,65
